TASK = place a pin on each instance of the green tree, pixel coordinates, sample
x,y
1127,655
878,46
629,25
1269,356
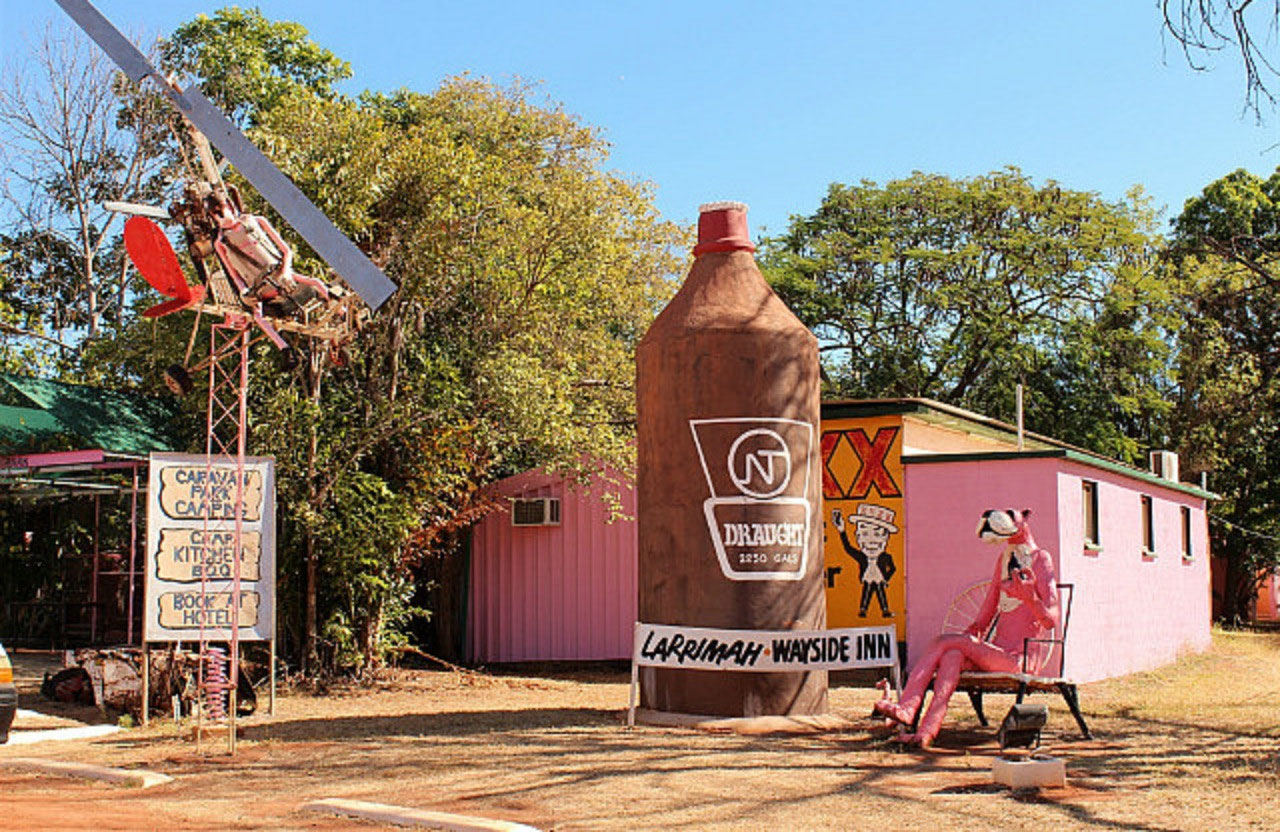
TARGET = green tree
x,y
959,289
68,143
248,64
527,274
1235,219
1227,249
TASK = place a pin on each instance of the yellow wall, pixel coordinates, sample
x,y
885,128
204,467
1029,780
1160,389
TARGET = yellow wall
x,y
862,466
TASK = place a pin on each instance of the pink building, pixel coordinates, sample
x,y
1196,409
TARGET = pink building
x,y
1134,607
1133,543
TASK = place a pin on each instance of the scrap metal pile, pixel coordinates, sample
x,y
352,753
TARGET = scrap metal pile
x,y
112,678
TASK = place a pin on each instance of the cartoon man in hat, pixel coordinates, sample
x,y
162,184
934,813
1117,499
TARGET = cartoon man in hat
x,y
872,527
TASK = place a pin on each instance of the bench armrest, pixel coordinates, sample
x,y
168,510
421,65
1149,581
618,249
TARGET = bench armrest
x,y
1026,652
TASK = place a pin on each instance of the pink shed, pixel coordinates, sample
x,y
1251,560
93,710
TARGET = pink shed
x,y
553,592
1133,609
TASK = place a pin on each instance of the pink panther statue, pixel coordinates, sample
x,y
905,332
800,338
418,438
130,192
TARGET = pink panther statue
x,y
1021,603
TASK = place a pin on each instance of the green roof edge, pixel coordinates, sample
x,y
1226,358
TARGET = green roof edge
x,y
849,408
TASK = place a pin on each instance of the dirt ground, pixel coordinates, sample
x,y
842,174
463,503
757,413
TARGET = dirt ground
x,y
1192,746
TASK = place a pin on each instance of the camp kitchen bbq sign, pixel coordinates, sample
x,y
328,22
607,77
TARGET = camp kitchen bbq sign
x,y
191,552
758,511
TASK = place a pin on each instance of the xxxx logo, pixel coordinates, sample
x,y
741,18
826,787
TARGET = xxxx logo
x,y
854,463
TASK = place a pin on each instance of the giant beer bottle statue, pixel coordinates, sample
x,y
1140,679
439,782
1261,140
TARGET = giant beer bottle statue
x,y
727,391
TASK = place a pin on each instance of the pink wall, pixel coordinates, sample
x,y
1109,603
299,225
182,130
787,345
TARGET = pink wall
x,y
944,503
1268,607
1130,613
1134,612
553,593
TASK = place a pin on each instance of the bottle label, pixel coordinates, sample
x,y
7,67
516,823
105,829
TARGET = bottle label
x,y
757,472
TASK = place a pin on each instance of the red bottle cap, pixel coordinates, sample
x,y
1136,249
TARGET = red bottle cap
x,y
722,226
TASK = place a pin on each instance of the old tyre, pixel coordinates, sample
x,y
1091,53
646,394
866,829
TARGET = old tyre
x,y
177,379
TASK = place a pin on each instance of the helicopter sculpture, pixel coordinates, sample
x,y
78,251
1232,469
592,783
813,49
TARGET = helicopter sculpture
x,y
244,268
245,280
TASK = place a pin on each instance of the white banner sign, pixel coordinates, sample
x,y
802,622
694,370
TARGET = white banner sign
x,y
700,648
192,556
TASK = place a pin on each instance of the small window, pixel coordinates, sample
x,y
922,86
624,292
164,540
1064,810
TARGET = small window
x,y
1089,491
1148,527
1186,533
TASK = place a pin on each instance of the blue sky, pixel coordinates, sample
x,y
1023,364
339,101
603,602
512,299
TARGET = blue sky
x,y
770,102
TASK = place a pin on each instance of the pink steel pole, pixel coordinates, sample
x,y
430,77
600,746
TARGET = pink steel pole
x,y
211,439
93,590
228,409
237,545
133,554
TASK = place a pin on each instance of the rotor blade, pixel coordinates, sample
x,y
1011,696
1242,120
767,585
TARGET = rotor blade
x,y
121,49
342,255
137,209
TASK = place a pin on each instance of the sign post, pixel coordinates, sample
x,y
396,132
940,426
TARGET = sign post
x,y
210,573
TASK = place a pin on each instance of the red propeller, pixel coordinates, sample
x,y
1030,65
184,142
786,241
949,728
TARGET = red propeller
x,y
154,258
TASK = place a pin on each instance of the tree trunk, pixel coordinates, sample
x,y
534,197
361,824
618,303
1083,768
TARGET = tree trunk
x,y
310,660
90,290
1237,591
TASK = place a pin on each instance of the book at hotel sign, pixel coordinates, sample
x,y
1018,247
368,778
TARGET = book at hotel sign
x,y
758,511
191,552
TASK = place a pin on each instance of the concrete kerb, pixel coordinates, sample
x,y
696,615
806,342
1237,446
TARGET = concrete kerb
x,y
133,778
403,816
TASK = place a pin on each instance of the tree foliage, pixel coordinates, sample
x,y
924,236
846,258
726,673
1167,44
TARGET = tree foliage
x,y
1203,28
1227,249
958,290
1235,219
68,142
248,64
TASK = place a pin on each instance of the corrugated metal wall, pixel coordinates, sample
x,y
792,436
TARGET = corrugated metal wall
x,y
553,593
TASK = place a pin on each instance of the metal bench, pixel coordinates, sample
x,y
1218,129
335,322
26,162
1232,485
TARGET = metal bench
x,y
1030,679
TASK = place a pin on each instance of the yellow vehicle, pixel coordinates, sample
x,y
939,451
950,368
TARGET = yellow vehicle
x,y
8,696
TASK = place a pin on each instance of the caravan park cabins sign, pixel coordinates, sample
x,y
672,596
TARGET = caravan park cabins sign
x,y
191,549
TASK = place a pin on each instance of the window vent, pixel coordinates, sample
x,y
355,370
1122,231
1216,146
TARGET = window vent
x,y
538,511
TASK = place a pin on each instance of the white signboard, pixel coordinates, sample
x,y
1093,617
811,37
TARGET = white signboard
x,y
700,648
703,648
191,551
757,471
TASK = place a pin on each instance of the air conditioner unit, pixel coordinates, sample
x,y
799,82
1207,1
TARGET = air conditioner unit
x,y
1165,464
536,511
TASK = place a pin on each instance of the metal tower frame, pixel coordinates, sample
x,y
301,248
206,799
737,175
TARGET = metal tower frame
x,y
226,426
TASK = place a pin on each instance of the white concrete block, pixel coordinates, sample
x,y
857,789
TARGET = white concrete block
x,y
136,778
1033,772
58,734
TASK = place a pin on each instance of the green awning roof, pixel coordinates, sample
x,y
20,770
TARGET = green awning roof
x,y
38,414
